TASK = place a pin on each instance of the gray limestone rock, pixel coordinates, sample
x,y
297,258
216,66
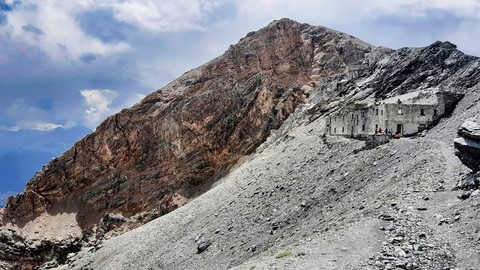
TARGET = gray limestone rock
x,y
470,129
475,194
468,145
202,246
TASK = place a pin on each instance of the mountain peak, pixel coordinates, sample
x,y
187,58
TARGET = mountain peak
x,y
283,21
444,44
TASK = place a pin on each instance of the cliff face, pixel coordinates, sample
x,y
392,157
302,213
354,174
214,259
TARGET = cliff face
x,y
174,144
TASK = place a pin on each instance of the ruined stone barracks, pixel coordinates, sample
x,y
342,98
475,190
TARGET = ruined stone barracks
x,y
405,115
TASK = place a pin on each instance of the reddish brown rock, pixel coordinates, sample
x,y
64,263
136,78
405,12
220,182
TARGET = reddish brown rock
x,y
28,203
183,137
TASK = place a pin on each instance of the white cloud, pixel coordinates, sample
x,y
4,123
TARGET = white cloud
x,y
161,16
62,38
101,103
14,128
97,102
32,125
24,116
42,126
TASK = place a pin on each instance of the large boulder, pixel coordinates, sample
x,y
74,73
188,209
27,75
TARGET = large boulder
x,y
470,129
468,144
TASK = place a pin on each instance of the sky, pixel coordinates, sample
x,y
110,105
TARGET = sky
x,y
70,64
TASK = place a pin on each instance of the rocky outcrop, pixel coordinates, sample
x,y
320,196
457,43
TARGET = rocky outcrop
x,y
468,144
26,254
470,129
467,147
156,156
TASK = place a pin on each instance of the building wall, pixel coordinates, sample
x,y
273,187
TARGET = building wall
x,y
348,123
365,121
411,118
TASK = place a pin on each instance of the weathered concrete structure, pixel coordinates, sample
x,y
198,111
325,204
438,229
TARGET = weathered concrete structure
x,y
405,114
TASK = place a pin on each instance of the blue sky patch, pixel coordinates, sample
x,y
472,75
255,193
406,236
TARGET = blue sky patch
x,y
101,24
6,7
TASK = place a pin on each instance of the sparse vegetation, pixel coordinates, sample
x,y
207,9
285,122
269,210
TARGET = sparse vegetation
x,y
283,254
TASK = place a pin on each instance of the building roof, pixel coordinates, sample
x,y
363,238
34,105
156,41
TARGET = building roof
x,y
421,97
417,97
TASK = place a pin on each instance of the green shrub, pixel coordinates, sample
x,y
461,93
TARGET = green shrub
x,y
283,254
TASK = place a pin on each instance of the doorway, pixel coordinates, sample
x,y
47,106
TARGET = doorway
x,y
421,127
399,129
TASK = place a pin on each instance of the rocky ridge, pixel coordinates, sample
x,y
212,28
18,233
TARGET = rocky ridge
x,y
274,87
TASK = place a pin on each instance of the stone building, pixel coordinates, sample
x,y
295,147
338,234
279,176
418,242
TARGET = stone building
x,y
405,114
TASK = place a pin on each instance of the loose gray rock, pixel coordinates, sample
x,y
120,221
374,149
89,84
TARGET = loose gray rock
x,y
470,129
202,246
475,194
465,195
468,144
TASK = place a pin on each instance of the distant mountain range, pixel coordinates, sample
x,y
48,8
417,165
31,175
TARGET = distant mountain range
x,y
24,152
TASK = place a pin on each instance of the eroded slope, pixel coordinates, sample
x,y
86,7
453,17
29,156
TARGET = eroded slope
x,y
323,205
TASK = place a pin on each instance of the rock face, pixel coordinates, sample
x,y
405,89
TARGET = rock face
x,y
467,147
27,253
154,157
468,144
